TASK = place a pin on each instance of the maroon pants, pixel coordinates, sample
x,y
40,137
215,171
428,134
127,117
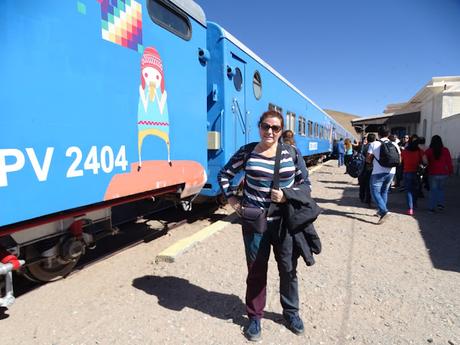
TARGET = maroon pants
x,y
257,247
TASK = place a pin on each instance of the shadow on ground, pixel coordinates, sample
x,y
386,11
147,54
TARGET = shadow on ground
x,y
440,231
177,293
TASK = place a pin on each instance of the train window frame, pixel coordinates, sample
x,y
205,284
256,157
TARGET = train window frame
x,y
176,12
302,126
238,79
290,121
310,129
272,106
257,85
315,130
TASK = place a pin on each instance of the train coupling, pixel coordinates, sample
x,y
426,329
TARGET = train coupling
x,y
8,264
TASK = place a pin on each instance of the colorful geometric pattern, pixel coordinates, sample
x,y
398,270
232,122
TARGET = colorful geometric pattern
x,y
122,23
152,123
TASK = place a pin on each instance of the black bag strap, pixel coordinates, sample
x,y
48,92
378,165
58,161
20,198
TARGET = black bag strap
x,y
276,176
276,173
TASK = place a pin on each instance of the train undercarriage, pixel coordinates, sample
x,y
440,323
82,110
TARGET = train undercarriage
x,y
52,248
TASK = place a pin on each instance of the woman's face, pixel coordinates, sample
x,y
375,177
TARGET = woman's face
x,y
152,76
270,130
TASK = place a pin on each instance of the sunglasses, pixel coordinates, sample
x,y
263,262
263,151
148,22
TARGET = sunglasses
x,y
265,126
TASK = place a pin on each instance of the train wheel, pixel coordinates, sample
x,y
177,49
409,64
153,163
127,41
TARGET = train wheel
x,y
50,269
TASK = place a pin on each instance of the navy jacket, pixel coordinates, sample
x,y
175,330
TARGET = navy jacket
x,y
299,213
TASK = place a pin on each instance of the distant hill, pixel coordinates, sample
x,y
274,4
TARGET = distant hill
x,y
344,120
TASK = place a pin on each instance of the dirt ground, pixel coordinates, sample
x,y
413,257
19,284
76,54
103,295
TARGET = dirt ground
x,y
397,283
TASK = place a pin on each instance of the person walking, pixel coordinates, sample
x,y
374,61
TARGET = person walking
x,y
411,158
364,178
440,167
259,166
399,169
340,152
381,176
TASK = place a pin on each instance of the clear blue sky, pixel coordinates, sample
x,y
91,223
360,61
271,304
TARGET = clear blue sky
x,y
355,56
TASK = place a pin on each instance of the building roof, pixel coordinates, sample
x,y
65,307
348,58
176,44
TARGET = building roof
x,y
409,112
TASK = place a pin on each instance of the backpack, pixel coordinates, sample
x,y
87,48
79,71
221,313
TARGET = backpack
x,y
389,155
356,166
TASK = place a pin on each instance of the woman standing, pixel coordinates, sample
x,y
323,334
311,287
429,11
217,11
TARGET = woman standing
x,y
439,167
348,153
364,178
288,138
258,166
411,159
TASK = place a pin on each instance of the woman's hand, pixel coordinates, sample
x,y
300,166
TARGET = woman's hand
x,y
278,196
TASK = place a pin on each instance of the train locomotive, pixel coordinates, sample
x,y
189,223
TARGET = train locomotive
x,y
109,102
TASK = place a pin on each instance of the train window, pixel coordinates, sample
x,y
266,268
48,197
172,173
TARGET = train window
x,y
316,130
310,128
301,125
170,17
257,85
238,79
272,106
290,121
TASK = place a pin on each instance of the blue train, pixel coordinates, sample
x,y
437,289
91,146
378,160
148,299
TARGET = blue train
x,y
107,102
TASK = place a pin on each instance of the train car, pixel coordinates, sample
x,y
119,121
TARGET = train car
x,y
108,102
240,87
103,102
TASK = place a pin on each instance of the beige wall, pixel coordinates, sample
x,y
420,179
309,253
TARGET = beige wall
x,y
450,134
442,115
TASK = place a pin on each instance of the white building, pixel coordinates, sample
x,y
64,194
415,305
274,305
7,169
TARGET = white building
x,y
434,109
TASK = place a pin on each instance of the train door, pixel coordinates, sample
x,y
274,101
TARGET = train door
x,y
236,72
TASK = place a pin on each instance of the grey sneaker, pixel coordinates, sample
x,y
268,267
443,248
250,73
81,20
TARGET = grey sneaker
x,y
254,331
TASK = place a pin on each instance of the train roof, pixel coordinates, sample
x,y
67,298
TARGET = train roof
x,y
192,9
257,58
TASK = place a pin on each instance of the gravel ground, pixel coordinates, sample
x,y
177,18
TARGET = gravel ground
x,y
396,283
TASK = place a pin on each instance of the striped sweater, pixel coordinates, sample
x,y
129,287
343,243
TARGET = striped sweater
x,y
258,176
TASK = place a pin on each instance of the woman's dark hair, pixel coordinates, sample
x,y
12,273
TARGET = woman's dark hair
x,y
288,137
371,137
413,143
436,145
272,113
383,132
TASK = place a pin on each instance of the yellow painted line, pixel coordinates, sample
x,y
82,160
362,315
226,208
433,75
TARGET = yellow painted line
x,y
170,253
312,170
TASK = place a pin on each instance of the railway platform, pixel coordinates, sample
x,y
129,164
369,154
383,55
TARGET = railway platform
x,y
394,283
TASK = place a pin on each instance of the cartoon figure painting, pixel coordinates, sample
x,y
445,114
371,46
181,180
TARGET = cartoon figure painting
x,y
152,111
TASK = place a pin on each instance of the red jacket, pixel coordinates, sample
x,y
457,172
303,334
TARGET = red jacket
x,y
441,166
411,160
